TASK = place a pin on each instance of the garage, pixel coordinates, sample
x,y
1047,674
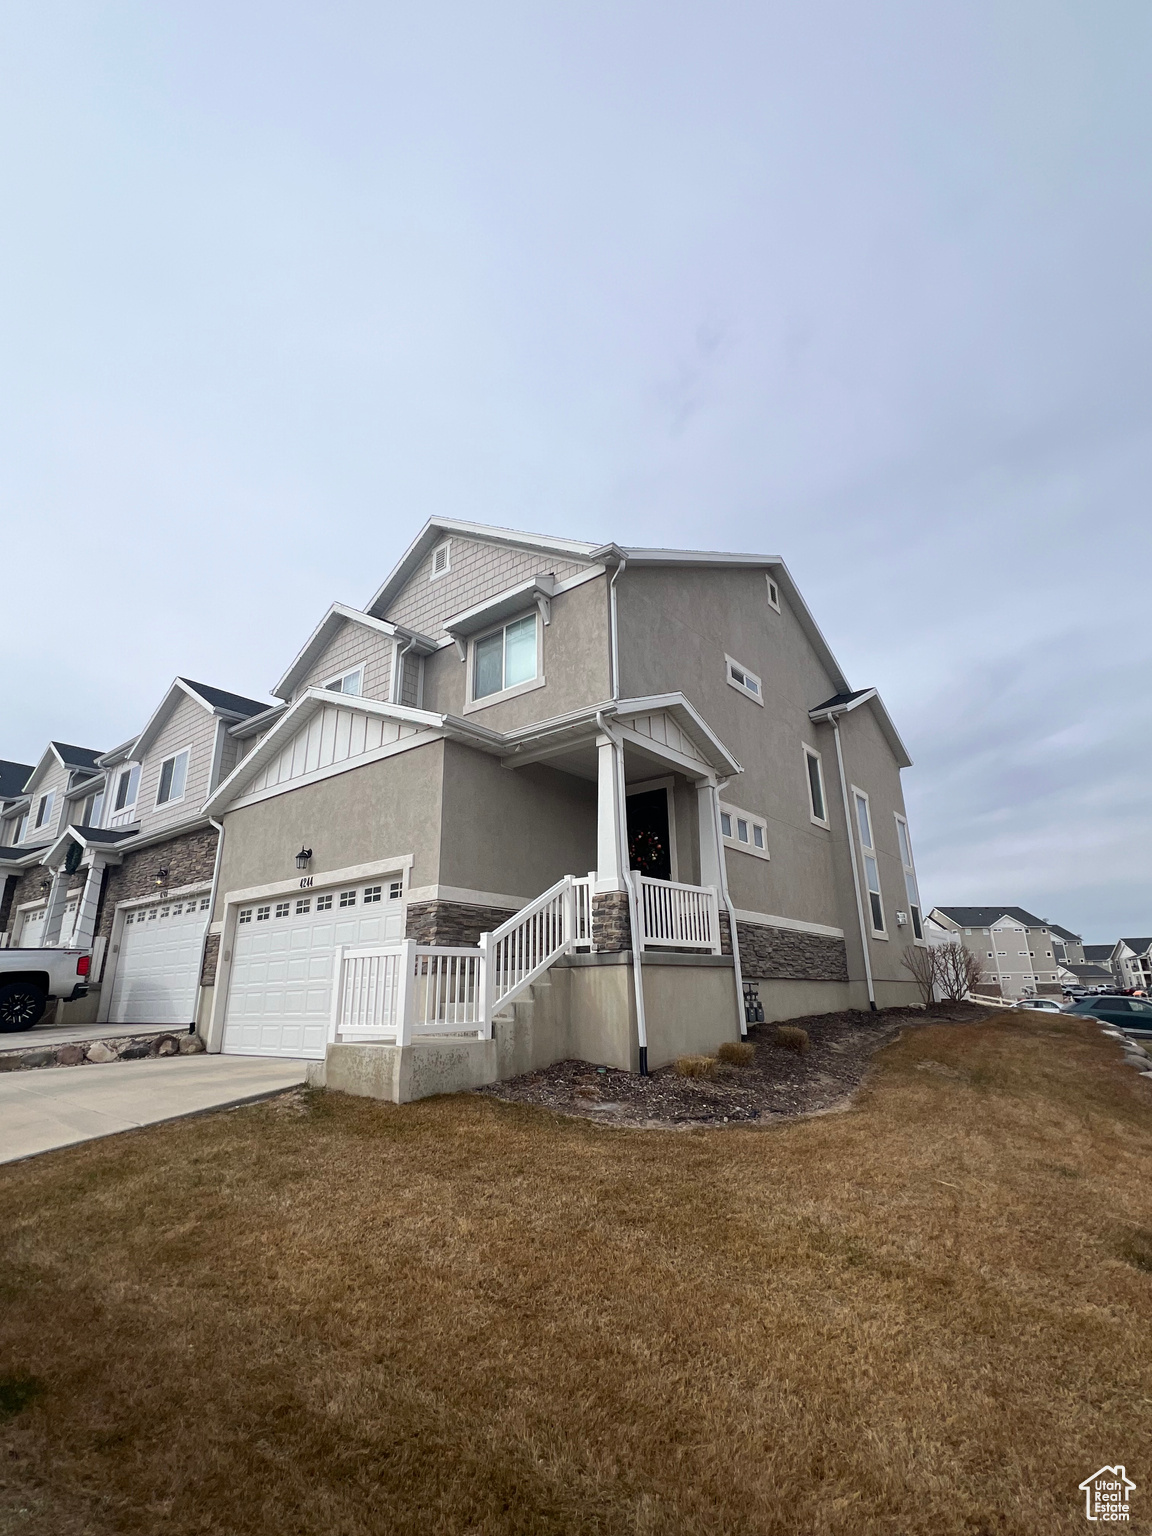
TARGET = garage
x,y
280,989
158,968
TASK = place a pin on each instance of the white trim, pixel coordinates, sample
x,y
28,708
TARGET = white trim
x,y
773,591
172,758
345,765
817,821
505,693
38,901
321,880
910,870
731,840
579,579
693,768
757,694
342,677
793,924
115,942
466,896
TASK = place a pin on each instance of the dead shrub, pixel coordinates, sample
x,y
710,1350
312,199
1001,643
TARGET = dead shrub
x,y
695,1066
738,1052
792,1038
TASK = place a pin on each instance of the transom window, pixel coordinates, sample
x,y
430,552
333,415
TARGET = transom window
x,y
505,658
173,777
745,681
816,807
871,867
347,682
743,830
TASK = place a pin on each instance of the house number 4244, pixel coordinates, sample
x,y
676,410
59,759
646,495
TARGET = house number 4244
x,y
306,882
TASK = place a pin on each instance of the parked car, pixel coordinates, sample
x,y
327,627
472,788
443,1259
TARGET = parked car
x,y
1133,1014
30,977
1041,1004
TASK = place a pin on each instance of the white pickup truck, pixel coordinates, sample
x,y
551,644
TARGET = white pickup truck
x,y
30,978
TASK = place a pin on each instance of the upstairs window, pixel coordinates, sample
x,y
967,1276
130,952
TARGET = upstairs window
x,y
744,681
127,787
441,560
22,828
744,831
347,682
173,776
44,808
505,659
871,867
773,594
816,804
909,876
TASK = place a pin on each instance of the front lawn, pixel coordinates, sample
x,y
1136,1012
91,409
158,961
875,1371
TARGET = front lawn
x,y
927,1314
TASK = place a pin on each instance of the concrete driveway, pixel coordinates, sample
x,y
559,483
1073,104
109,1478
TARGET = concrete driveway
x,y
57,1106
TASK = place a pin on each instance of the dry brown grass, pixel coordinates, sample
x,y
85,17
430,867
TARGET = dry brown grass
x,y
738,1053
791,1037
695,1066
925,1317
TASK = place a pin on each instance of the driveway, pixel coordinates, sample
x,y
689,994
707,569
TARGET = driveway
x,y
57,1106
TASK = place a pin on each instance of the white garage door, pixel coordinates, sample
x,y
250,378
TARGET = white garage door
x,y
280,992
32,929
158,969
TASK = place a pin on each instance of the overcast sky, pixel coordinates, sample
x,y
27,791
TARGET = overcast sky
x,y
866,286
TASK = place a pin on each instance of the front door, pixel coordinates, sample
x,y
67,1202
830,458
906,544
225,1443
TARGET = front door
x,y
649,835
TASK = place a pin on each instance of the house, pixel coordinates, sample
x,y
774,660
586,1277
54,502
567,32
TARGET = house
x,y
13,777
125,863
1016,949
1101,955
1072,974
1066,947
1131,961
586,794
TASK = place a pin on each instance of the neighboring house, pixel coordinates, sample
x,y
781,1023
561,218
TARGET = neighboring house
x,y
1016,949
1132,963
13,777
126,865
1072,974
1067,948
651,752
1100,954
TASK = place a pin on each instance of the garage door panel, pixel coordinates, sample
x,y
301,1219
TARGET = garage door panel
x,y
158,968
282,973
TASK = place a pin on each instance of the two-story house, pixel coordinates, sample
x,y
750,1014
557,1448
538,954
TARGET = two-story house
x,y
1017,951
633,780
1131,963
125,865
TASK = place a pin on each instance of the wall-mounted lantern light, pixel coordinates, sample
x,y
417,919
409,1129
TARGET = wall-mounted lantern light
x,y
303,858
162,878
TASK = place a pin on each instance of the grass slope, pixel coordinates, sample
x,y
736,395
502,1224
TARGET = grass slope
x,y
929,1314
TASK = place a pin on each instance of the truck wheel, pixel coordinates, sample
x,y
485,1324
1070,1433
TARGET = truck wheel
x,y
21,1006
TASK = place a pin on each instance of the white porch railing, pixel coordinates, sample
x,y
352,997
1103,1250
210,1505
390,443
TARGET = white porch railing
x,y
395,993
676,916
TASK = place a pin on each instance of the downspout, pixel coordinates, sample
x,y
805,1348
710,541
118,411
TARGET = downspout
x,y
633,905
864,941
741,1012
219,825
615,629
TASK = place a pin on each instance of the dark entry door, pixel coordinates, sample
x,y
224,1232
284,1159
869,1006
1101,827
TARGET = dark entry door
x,y
649,844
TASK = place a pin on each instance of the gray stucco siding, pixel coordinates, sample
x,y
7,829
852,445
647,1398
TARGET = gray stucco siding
x,y
377,811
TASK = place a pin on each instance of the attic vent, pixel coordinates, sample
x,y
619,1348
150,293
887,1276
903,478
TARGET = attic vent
x,y
440,561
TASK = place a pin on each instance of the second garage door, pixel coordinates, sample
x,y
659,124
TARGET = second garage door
x,y
280,991
158,970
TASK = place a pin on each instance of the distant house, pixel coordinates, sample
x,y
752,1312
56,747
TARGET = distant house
x,y
1086,975
1132,962
1100,954
1016,949
1067,947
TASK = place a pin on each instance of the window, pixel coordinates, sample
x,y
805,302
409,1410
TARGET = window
x,y
395,890
246,915
347,898
282,908
909,877
347,682
505,659
744,681
441,560
742,830
372,893
127,786
44,808
303,906
173,775
22,828
263,914
773,594
816,807
871,868
990,955
324,903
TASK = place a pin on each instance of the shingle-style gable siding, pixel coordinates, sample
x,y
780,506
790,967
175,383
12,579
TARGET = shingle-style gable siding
x,y
354,645
55,778
189,725
479,570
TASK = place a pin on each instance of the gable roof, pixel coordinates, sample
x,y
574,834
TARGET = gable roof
x,y
13,777
322,636
1085,970
75,757
229,706
1137,946
226,703
984,917
1062,933
844,703
436,529
1100,953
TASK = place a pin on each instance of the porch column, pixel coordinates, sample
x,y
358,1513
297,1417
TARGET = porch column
x,y
54,911
711,855
89,901
610,863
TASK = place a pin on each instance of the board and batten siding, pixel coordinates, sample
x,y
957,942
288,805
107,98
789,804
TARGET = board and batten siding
x,y
479,570
332,735
189,725
355,645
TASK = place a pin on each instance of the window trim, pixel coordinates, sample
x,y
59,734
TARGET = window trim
x,y
915,911
773,593
342,677
186,752
809,754
729,663
446,546
731,840
472,703
866,853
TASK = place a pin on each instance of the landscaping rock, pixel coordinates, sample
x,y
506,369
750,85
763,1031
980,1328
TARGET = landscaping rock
x,y
98,1051
191,1045
167,1045
137,1051
69,1055
37,1058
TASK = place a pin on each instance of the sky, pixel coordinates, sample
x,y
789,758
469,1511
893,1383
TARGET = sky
x,y
866,287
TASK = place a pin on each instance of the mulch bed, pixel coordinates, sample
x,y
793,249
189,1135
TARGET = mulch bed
x,y
777,1084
